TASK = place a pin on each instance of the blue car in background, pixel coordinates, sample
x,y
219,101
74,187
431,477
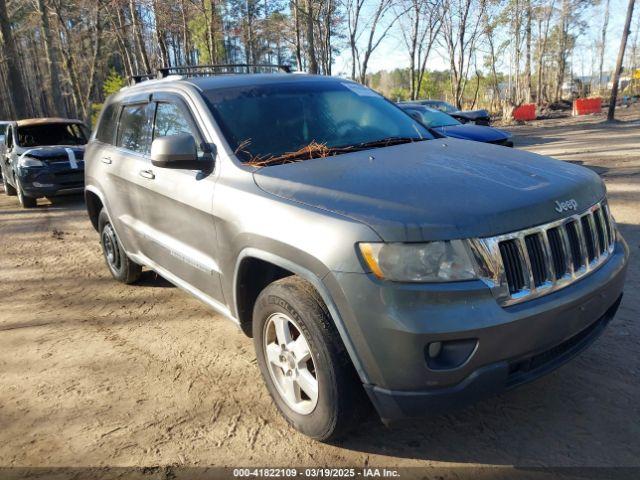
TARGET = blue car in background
x,y
450,127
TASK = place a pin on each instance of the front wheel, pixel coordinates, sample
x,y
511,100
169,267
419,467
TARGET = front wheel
x,y
303,361
8,189
121,267
26,202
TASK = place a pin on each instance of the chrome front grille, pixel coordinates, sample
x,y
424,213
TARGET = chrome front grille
x,y
527,264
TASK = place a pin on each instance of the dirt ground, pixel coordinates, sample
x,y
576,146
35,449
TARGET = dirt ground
x,y
94,373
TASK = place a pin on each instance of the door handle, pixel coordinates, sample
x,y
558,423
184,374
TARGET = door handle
x,y
106,160
147,174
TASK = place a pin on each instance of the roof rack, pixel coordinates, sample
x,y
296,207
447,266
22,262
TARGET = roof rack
x,y
222,69
133,79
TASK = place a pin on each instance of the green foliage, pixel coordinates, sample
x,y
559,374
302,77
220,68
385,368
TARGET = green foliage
x,y
96,108
112,83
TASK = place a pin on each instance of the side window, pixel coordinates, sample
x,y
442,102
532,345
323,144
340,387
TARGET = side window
x,y
171,119
134,130
106,131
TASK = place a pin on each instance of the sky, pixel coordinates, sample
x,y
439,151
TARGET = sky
x,y
392,53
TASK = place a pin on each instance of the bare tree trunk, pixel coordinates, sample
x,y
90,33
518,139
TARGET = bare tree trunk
x,y
298,34
211,31
542,51
383,7
527,66
64,39
97,42
616,73
186,40
14,81
137,35
163,54
461,27
603,42
562,49
51,61
312,65
124,41
354,8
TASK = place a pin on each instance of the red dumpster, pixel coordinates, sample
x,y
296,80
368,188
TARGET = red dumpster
x,y
586,106
524,112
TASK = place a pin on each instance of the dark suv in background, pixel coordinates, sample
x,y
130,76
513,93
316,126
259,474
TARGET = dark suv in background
x,y
43,157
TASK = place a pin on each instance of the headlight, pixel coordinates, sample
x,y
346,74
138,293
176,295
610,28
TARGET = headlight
x,y
29,162
446,261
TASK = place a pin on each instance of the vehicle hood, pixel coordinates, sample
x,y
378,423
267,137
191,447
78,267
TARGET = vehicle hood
x,y
478,133
52,153
472,114
437,189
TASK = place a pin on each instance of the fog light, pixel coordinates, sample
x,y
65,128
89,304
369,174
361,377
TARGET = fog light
x,y
434,349
447,355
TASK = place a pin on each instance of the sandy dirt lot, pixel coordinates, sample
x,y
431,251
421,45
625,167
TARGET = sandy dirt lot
x,y
94,373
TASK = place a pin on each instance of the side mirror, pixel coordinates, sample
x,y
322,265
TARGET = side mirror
x,y
177,151
416,116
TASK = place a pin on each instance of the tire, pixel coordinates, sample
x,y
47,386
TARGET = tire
x,y
8,189
26,202
340,399
121,267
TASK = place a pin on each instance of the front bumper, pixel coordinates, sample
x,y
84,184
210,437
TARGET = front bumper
x,y
391,326
52,181
488,380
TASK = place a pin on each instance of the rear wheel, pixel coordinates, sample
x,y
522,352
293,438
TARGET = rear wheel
x,y
121,267
302,359
26,202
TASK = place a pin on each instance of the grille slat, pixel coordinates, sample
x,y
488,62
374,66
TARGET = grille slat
x,y
600,230
574,243
513,265
558,254
542,259
588,238
537,259
608,224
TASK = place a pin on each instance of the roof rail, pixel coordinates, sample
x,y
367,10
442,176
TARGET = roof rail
x,y
133,79
222,69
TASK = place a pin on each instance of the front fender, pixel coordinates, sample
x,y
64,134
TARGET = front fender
x,y
314,273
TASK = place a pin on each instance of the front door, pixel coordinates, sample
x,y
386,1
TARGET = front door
x,y
176,204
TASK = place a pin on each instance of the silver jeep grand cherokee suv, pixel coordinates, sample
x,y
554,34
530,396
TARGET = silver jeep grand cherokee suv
x,y
361,251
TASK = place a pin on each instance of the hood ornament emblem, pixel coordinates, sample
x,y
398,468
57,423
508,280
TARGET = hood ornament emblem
x,y
566,205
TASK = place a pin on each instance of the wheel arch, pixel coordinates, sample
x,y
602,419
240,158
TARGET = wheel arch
x,y
283,267
94,204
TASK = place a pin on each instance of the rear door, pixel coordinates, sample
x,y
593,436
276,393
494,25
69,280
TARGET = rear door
x,y
119,168
177,204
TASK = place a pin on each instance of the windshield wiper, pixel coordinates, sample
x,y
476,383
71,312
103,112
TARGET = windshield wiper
x,y
385,142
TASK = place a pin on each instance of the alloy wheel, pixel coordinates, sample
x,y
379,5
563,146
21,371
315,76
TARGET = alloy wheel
x,y
291,363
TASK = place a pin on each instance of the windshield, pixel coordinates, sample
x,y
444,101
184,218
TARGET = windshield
x,y
434,118
442,106
268,121
51,134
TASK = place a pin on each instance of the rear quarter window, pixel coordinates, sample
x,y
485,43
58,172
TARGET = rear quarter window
x,y
106,131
